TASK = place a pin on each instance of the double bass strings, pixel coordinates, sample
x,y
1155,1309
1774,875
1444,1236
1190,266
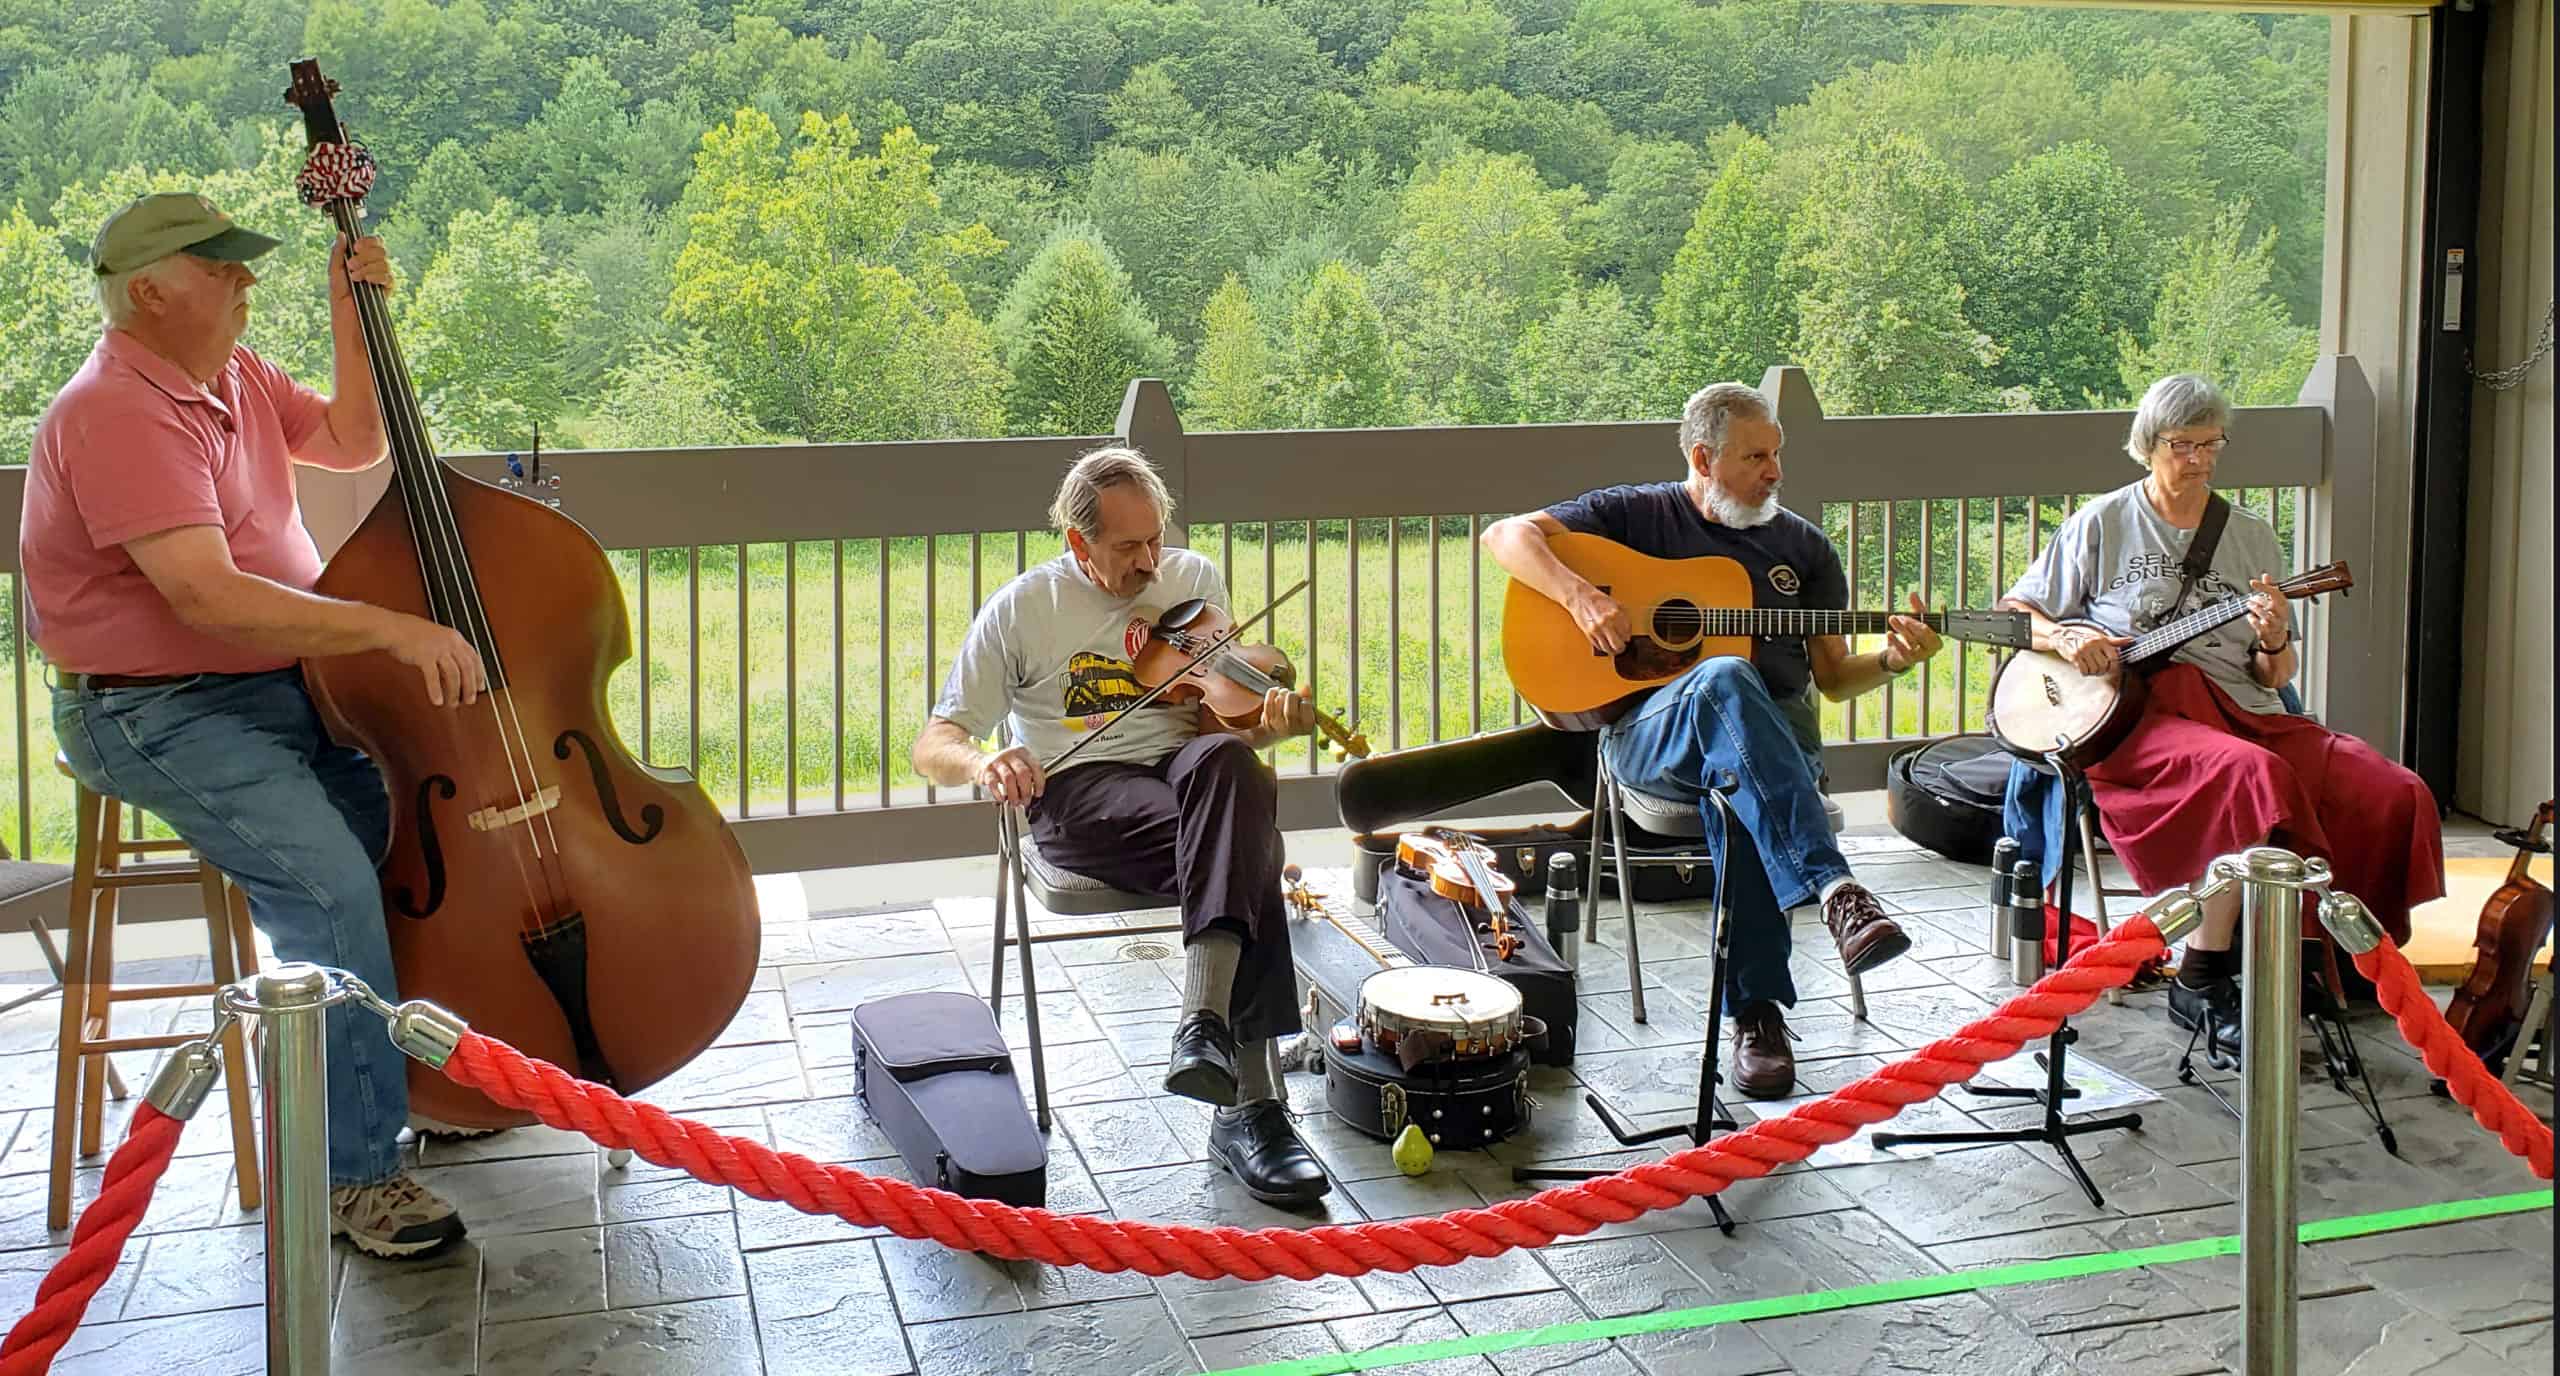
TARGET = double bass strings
x,y
444,567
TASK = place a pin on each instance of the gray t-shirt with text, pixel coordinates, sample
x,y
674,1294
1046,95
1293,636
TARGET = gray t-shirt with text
x,y
2115,562
1054,652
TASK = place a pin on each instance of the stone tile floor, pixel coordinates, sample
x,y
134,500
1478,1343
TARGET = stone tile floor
x,y
573,1266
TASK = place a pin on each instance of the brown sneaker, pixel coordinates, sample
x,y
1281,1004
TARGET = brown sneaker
x,y
1866,937
1764,1066
396,1218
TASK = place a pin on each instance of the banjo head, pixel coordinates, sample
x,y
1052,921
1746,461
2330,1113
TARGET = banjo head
x,y
1441,997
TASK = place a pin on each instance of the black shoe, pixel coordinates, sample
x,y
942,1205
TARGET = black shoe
x,y
2216,1003
1260,1147
1203,1066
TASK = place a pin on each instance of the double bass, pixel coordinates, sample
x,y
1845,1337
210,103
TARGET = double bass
x,y
541,882
2489,1007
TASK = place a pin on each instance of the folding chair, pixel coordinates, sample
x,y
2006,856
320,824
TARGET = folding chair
x,y
1615,808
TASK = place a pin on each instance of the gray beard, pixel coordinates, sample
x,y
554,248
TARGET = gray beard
x,y
1729,512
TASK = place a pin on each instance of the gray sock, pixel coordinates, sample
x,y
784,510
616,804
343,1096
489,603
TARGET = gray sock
x,y
1209,972
1258,1071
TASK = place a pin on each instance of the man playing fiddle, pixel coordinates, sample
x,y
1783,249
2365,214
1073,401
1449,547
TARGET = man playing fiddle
x,y
1753,718
1170,802
168,580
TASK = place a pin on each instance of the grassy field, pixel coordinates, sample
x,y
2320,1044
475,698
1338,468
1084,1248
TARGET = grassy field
x,y
1426,664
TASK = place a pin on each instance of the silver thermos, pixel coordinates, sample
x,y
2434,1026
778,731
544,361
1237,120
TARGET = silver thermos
x,y
2003,856
2026,931
1564,909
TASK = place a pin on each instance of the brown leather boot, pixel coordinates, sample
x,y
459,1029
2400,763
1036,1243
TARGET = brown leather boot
x,y
1764,1066
1866,937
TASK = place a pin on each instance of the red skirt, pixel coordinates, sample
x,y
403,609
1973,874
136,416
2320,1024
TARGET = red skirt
x,y
2202,776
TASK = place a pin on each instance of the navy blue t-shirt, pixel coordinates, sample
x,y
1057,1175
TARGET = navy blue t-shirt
x,y
1791,562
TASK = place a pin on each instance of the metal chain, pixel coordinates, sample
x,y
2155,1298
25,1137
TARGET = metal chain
x,y
2502,379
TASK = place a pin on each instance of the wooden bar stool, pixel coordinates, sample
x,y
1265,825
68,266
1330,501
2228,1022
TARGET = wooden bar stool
x,y
99,873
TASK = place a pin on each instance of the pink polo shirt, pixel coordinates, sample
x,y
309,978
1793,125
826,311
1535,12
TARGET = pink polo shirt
x,y
132,447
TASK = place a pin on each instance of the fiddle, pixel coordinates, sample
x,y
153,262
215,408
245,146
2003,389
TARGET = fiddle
x,y
2488,1007
1229,680
1460,868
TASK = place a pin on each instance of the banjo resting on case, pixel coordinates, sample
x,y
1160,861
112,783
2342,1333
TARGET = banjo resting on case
x,y
2041,699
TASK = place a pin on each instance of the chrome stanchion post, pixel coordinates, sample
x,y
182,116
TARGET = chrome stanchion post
x,y
2272,883
292,1002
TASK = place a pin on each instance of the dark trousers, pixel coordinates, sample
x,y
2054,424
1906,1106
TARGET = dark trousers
x,y
1202,827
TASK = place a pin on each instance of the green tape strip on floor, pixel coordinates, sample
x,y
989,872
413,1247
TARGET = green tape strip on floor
x,y
1886,1292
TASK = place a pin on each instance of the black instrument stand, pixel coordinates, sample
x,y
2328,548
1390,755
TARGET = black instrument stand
x,y
1710,1115
2053,1131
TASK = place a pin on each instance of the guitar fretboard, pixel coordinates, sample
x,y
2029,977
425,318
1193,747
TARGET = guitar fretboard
x,y
1782,621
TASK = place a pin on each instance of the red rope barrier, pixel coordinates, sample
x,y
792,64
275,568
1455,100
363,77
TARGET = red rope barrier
x,y
96,1244
563,1101
2423,1026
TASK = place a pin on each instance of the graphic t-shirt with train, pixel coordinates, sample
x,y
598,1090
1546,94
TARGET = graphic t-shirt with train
x,y
1053,652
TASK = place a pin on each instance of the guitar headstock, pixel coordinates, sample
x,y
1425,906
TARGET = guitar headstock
x,y
316,95
1984,626
2331,577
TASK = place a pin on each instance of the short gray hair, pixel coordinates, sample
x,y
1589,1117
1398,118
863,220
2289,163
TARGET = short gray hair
x,y
1079,502
2174,403
1711,408
115,290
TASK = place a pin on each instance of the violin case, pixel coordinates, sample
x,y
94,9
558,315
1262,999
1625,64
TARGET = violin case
x,y
933,1071
1391,789
1435,931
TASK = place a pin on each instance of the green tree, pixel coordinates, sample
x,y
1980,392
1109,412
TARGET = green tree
x,y
47,322
1728,310
1342,370
669,398
1171,219
1073,333
1631,233
1457,44
2216,316
1232,385
1587,362
2061,262
483,330
452,181
821,285
1880,320
1148,111
1482,250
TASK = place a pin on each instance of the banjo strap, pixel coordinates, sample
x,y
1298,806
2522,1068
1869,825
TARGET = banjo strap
x,y
2200,550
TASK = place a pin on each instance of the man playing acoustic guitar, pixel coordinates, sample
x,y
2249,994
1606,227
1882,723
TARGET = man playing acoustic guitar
x,y
1755,718
1169,803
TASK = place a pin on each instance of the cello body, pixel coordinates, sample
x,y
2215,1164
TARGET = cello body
x,y
2489,1007
643,858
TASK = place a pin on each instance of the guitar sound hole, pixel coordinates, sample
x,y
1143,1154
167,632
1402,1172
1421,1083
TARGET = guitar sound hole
x,y
1677,623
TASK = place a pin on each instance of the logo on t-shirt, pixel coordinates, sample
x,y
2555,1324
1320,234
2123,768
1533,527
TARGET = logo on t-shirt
x,y
1098,685
1783,578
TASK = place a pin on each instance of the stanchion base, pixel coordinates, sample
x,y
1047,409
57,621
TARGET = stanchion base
x,y
1627,1135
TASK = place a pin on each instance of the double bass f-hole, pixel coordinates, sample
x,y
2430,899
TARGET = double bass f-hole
x,y
431,850
652,817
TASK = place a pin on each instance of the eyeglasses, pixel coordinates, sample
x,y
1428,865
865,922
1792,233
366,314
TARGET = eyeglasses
x,y
2187,449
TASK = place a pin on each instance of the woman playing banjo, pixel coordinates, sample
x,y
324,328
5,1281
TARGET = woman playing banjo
x,y
2216,764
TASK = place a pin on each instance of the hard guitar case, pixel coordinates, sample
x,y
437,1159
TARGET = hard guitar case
x,y
932,1070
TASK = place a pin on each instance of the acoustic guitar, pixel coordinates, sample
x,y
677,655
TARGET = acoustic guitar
x,y
1684,611
2040,700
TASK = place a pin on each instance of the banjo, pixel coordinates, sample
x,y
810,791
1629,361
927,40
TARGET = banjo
x,y
2041,700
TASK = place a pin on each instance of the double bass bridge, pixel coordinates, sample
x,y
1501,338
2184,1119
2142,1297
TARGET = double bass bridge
x,y
495,818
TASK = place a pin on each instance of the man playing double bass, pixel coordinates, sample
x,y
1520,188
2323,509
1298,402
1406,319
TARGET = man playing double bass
x,y
1170,802
168,580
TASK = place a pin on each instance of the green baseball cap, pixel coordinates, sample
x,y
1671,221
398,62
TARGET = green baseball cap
x,y
153,227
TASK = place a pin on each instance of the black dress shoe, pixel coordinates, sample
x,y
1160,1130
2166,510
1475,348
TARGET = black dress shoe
x,y
1203,1066
1259,1145
2216,1003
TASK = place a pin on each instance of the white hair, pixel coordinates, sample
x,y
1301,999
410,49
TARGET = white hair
x,y
1711,408
2175,402
1079,502
115,290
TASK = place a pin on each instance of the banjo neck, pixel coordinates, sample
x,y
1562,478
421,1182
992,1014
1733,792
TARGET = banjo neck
x,y
2162,640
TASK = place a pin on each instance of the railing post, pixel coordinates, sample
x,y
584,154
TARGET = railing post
x,y
293,1073
2271,890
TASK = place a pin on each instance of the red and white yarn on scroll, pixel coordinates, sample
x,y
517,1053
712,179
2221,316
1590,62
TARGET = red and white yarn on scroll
x,y
335,172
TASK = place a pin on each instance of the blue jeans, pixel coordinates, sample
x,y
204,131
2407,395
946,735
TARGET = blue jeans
x,y
240,769
1719,718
